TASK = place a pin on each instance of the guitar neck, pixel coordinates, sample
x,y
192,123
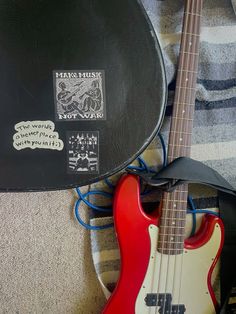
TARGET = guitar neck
x,y
184,101
172,224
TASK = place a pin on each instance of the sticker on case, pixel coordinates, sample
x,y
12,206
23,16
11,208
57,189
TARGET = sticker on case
x,y
83,152
79,95
36,134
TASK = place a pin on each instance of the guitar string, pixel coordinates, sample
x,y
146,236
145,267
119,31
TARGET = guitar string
x,y
185,90
166,203
192,96
181,128
177,212
186,110
195,40
182,193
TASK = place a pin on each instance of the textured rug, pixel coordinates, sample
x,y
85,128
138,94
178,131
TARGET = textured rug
x,y
214,134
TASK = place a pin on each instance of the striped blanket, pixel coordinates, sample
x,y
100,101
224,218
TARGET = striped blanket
x,y
214,134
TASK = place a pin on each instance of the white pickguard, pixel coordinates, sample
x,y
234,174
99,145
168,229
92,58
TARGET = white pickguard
x,y
184,276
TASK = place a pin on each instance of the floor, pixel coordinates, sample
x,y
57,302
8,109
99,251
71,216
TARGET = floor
x,y
45,260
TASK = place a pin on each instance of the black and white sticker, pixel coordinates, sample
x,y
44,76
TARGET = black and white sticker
x,y
79,95
83,152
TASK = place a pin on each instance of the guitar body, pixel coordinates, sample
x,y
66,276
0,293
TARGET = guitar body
x,y
145,271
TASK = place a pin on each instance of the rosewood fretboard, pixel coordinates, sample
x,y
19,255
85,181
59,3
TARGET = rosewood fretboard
x,y
173,216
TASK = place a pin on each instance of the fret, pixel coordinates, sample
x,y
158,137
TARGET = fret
x,y
176,206
175,197
172,209
180,190
192,67
181,224
186,87
167,245
179,111
176,241
188,71
188,67
185,128
184,133
174,214
191,13
184,103
173,206
171,252
190,53
192,34
177,209
189,62
170,227
171,220
181,132
183,118
172,217
176,227
171,234
175,201
179,232
171,242
171,246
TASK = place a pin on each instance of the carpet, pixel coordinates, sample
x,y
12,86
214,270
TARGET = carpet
x,y
45,260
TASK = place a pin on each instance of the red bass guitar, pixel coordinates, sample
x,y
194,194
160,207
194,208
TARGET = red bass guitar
x,y
161,271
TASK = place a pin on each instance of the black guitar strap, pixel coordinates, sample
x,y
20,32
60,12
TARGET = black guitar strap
x,y
186,170
227,206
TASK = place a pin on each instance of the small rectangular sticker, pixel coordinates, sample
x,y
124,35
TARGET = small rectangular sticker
x,y
79,95
37,134
83,151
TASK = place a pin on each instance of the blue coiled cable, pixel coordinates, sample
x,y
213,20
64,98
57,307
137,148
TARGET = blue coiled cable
x,y
83,197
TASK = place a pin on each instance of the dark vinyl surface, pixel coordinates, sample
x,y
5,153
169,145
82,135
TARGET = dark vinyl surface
x,y
38,37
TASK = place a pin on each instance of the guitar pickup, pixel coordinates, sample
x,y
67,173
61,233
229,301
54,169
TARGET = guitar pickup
x,y
151,299
161,299
178,309
164,302
172,309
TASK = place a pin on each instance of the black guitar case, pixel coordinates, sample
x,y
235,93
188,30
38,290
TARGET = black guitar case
x,y
82,90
